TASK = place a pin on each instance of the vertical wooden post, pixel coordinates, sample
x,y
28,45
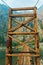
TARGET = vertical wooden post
x,y
9,43
36,38
10,40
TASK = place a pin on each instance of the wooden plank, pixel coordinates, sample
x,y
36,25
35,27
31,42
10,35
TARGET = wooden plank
x,y
21,59
28,58
22,54
25,8
22,33
22,15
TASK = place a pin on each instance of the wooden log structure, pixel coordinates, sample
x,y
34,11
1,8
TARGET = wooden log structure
x,y
22,15
25,8
25,56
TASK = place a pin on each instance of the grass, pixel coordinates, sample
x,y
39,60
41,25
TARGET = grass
x,y
41,52
2,56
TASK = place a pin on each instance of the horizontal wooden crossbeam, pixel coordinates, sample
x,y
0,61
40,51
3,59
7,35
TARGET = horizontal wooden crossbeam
x,y
25,8
22,33
22,15
23,54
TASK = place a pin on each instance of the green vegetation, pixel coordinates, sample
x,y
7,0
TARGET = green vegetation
x,y
41,52
2,57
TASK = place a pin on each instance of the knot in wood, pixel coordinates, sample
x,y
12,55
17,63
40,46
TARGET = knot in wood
x,y
22,24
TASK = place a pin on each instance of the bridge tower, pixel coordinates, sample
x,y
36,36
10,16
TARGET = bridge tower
x,y
28,55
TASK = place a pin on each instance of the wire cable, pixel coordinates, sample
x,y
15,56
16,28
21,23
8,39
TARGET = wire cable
x,y
10,7
37,2
5,3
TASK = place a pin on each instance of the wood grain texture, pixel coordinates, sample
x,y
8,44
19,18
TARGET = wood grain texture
x,y
25,54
